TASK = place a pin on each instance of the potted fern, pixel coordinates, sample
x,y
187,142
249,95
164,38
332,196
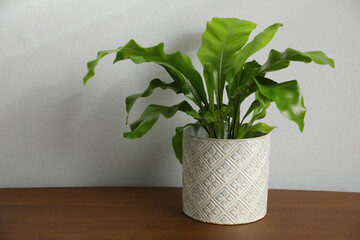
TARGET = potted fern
x,y
224,153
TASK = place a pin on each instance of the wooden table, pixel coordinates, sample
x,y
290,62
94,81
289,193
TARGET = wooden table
x,y
155,213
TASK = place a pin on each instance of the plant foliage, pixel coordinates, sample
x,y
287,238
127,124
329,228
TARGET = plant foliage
x,y
223,54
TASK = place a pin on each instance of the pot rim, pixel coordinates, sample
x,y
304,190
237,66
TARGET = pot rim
x,y
225,139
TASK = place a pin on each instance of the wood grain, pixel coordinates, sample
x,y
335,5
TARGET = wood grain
x,y
155,213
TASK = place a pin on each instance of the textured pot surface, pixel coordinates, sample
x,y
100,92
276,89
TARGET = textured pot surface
x,y
225,181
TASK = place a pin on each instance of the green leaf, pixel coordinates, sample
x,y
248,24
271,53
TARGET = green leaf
x,y
155,83
177,61
259,42
177,141
151,114
194,114
261,128
258,107
287,96
264,101
320,58
221,42
208,117
92,64
181,82
242,130
247,85
238,94
254,105
210,84
277,60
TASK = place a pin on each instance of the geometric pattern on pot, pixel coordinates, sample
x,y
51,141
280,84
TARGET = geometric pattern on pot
x,y
225,181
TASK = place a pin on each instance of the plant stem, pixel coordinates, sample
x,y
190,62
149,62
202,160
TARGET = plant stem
x,y
236,117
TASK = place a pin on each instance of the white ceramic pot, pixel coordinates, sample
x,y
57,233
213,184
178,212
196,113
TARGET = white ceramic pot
x,y
225,181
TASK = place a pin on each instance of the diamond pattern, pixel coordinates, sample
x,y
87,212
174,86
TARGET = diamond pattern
x,y
251,169
238,211
211,183
225,170
199,195
199,168
212,155
211,210
240,156
239,184
224,198
251,196
225,182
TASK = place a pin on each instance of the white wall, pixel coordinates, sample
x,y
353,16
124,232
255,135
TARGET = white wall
x,y
55,132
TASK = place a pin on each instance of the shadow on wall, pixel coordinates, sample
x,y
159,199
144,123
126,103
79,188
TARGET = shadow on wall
x,y
68,135
138,162
59,133
57,141
184,43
